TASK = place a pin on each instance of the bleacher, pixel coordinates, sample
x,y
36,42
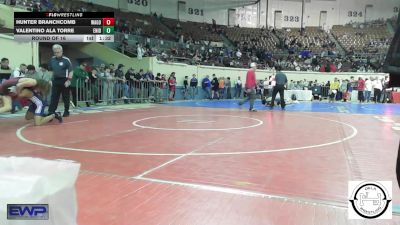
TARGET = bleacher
x,y
261,38
196,31
313,38
360,39
145,25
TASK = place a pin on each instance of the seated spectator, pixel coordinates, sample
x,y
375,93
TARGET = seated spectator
x,y
31,72
5,70
20,71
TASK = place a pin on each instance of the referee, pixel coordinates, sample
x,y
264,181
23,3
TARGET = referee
x,y
61,67
280,82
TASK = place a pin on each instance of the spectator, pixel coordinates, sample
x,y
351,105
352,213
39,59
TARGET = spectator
x,y
266,85
291,85
206,86
221,86
228,85
334,87
20,72
238,54
172,86
94,83
377,86
31,72
343,90
112,69
332,68
385,92
149,87
79,84
158,85
150,78
185,87
215,87
129,78
361,89
368,89
193,86
5,70
238,88
124,45
43,73
121,87
138,77
107,85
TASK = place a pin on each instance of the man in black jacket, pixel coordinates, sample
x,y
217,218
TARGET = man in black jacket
x,y
129,77
214,87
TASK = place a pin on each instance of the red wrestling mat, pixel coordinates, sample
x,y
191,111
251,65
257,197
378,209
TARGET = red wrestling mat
x,y
171,165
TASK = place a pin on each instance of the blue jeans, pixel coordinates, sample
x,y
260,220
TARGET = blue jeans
x,y
193,92
207,92
118,87
238,92
367,95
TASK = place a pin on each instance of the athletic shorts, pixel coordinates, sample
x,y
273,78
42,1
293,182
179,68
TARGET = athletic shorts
x,y
37,105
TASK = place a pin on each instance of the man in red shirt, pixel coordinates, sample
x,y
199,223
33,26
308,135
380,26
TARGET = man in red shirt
x,y
361,88
250,87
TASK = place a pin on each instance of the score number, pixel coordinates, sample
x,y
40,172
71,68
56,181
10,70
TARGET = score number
x,y
108,21
108,25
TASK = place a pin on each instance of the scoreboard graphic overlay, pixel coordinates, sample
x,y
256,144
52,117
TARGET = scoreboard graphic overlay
x,y
64,27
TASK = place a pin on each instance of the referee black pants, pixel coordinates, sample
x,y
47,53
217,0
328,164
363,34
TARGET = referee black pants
x,y
281,90
56,90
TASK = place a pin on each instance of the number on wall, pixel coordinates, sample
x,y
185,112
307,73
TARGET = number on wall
x,y
294,19
355,14
197,12
396,9
144,3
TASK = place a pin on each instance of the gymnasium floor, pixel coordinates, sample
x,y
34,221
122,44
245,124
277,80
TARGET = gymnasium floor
x,y
212,162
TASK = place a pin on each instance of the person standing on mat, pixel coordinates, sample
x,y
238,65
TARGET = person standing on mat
x,y
250,87
281,81
62,75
